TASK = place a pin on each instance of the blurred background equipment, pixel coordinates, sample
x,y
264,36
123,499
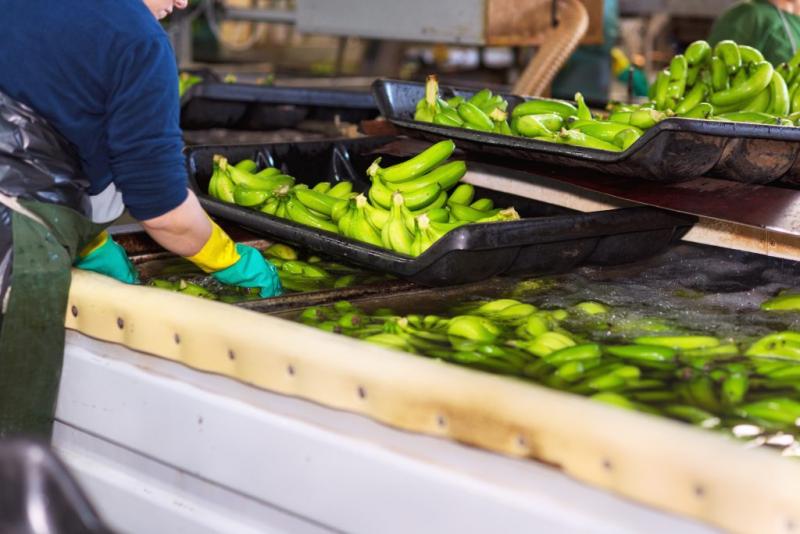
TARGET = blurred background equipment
x,y
39,495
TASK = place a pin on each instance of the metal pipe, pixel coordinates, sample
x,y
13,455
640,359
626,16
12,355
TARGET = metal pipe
x,y
261,15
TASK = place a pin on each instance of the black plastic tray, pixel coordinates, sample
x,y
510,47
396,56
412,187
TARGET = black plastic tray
x,y
674,150
257,107
548,239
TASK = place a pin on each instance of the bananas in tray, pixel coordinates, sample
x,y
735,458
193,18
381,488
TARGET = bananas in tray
x,y
408,207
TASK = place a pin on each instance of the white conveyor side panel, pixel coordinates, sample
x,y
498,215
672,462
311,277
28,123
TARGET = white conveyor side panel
x,y
163,448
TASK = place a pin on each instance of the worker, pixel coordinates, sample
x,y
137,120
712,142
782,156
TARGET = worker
x,y
771,26
104,75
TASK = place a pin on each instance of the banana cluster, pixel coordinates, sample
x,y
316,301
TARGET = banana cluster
x,y
590,349
408,207
729,82
298,273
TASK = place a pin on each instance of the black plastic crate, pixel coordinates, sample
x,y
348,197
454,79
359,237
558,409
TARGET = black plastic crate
x,y
257,107
548,239
674,150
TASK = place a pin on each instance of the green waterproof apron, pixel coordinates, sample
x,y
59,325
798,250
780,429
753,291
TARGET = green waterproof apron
x,y
32,335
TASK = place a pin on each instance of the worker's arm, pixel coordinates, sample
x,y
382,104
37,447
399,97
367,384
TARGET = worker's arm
x,y
148,168
187,231
183,231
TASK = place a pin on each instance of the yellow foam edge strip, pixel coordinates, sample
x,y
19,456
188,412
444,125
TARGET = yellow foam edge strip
x,y
662,463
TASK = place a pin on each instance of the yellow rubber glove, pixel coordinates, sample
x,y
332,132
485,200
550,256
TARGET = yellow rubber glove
x,y
619,61
218,253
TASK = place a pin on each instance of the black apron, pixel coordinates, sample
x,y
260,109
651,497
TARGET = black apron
x,y
44,223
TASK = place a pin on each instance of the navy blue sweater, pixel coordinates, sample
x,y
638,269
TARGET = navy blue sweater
x,y
104,74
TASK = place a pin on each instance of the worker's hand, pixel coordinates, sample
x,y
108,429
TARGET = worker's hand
x,y
105,256
252,270
237,264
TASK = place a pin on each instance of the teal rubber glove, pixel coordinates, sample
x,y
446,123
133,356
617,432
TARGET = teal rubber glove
x,y
252,270
110,259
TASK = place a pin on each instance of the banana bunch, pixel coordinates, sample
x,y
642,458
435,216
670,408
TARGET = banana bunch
x,y
406,208
298,272
696,378
484,111
728,82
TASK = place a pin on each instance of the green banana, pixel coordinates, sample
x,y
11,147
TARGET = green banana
x,y
503,128
463,194
376,216
475,117
678,342
469,214
537,106
423,197
438,202
604,130
776,410
446,176
480,98
662,88
645,353
547,343
761,102
482,204
361,228
380,194
584,113
692,99
646,118
249,197
251,181
786,301
750,55
536,125
341,190
319,202
588,351
446,119
701,111
693,415
281,251
322,187
750,116
269,171
297,212
225,188
578,138
719,74
247,165
474,328
395,235
698,52
728,51
414,167
627,137
779,95
757,82
423,239
441,215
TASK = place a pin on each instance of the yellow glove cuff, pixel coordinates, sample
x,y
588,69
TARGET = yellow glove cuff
x,y
619,61
94,244
218,253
